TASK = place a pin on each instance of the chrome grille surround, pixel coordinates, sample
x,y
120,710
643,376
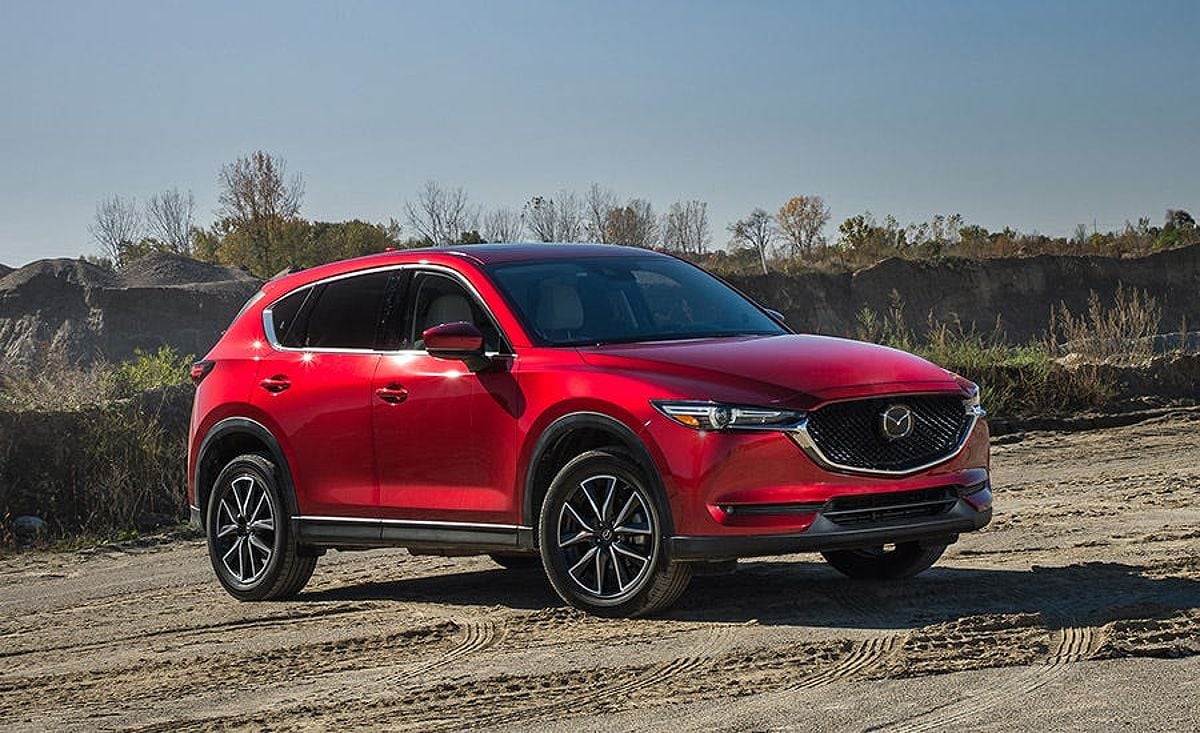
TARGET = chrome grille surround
x,y
841,436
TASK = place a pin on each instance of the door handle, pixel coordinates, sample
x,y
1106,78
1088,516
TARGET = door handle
x,y
275,384
393,394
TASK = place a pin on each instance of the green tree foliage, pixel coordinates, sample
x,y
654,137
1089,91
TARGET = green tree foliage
x,y
298,243
260,213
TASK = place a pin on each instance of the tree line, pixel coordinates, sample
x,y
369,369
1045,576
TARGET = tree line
x,y
259,227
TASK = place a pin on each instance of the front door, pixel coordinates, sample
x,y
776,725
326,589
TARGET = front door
x,y
445,436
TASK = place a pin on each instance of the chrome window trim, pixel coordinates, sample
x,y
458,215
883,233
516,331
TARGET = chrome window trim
x,y
269,322
801,437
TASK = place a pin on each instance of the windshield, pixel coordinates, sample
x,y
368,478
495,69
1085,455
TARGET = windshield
x,y
604,300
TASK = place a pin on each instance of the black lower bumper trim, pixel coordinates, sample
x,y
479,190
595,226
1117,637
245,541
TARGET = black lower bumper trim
x,y
330,532
826,535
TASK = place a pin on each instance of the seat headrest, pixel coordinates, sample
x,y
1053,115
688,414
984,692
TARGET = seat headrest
x,y
448,308
559,308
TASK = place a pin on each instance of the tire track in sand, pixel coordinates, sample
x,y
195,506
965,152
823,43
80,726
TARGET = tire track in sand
x,y
627,682
1072,644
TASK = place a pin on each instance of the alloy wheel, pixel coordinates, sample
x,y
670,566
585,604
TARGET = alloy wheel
x,y
607,536
245,531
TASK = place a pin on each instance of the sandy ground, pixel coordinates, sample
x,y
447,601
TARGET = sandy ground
x,y
1077,609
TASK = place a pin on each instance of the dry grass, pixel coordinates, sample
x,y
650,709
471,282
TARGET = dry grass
x,y
1122,332
95,450
1015,381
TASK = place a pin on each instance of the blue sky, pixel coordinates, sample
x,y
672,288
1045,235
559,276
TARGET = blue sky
x,y
1039,115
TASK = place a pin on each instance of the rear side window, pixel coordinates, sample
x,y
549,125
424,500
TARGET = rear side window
x,y
348,313
285,317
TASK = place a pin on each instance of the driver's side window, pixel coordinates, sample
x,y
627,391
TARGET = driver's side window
x,y
438,299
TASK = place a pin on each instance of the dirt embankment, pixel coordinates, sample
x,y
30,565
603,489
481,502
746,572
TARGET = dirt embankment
x,y
70,311
1020,290
1078,608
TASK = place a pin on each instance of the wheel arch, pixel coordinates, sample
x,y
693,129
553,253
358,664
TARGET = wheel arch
x,y
576,433
230,438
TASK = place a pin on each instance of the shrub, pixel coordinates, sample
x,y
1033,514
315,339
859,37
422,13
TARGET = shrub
x,y
151,370
98,469
97,449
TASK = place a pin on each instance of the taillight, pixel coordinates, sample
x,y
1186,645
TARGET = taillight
x,y
200,370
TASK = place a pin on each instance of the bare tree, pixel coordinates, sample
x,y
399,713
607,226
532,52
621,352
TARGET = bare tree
x,y
557,219
633,224
801,221
598,203
441,215
685,227
257,189
756,231
117,227
503,225
169,217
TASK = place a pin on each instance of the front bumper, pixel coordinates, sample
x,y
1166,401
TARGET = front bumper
x,y
824,534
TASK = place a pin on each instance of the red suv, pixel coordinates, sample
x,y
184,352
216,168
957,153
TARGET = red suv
x,y
616,415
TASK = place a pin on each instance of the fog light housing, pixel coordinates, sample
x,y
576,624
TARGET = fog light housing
x,y
978,496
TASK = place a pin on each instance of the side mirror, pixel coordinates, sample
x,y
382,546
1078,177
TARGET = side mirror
x,y
776,315
458,341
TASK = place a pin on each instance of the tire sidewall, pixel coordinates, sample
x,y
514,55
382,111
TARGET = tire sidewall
x,y
262,472
595,463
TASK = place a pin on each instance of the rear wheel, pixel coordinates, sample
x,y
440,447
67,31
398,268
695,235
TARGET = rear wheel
x,y
903,560
250,542
601,536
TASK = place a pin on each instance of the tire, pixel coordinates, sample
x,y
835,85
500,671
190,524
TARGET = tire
x,y
516,560
601,534
877,563
250,542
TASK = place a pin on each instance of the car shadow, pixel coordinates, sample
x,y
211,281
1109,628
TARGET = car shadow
x,y
812,594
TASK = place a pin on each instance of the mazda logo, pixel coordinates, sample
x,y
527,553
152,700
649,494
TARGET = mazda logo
x,y
896,422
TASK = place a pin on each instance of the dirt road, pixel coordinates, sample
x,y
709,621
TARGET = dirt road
x,y
1077,609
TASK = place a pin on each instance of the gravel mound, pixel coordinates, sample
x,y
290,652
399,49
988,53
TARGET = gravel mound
x,y
76,272
161,269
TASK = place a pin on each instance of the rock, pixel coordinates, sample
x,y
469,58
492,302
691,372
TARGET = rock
x,y
27,528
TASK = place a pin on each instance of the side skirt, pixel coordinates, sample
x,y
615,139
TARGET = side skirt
x,y
354,533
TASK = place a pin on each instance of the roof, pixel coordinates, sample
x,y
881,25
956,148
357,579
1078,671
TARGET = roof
x,y
478,254
490,254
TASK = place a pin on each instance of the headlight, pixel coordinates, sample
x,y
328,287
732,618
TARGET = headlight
x,y
972,400
717,416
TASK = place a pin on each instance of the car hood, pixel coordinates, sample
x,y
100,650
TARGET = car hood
x,y
803,369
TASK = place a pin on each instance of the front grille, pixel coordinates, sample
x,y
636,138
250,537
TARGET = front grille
x,y
864,509
850,433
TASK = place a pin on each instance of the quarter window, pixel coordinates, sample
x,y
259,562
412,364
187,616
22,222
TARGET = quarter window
x,y
285,318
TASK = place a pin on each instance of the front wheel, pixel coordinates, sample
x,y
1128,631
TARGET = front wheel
x,y
249,540
903,560
601,536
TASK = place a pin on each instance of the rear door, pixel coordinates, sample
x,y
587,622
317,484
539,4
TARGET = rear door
x,y
315,383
